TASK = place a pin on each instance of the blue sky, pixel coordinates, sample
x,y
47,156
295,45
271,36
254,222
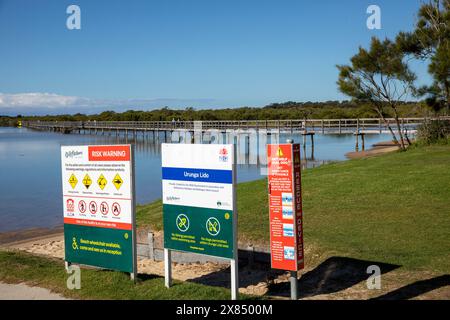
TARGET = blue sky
x,y
214,53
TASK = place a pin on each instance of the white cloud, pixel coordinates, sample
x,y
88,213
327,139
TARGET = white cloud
x,y
36,99
38,102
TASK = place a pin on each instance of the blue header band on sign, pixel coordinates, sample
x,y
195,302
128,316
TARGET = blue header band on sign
x,y
199,175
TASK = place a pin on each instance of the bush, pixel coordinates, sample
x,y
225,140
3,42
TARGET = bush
x,y
434,131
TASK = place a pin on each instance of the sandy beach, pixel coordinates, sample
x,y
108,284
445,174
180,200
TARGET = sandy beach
x,y
376,149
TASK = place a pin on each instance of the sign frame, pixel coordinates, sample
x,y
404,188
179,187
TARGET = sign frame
x,y
131,148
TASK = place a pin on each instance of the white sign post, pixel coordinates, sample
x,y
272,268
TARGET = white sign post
x,y
199,203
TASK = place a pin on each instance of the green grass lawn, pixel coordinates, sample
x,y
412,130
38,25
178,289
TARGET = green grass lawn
x,y
393,208
98,284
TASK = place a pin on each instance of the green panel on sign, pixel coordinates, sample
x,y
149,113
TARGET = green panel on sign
x,y
100,247
199,230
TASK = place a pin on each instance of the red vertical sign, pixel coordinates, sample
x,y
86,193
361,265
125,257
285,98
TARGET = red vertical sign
x,y
285,206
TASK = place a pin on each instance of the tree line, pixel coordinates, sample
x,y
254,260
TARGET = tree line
x,y
286,110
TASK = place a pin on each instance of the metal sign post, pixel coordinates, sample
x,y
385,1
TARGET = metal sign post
x,y
234,263
167,268
133,275
293,279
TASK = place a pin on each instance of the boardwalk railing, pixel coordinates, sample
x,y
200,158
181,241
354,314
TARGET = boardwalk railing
x,y
294,125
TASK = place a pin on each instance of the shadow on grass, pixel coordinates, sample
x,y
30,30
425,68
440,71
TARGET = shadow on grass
x,y
253,275
332,275
416,289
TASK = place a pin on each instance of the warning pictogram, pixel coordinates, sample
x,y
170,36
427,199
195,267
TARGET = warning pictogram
x,y
73,181
115,209
87,181
279,152
93,207
70,205
101,182
117,181
104,208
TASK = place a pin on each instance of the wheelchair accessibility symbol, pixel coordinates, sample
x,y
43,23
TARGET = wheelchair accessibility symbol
x,y
213,226
182,222
74,244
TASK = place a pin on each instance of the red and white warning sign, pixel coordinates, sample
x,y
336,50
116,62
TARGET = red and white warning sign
x,y
116,209
285,207
93,207
108,199
104,208
70,205
82,206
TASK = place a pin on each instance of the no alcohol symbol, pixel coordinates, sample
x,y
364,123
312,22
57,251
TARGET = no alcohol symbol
x,y
182,222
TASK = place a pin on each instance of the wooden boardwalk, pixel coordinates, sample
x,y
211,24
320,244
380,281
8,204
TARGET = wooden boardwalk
x,y
308,126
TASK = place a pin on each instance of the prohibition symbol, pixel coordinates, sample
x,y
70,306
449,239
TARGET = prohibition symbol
x,y
82,206
101,182
115,209
104,208
73,181
213,226
87,181
93,207
117,181
182,222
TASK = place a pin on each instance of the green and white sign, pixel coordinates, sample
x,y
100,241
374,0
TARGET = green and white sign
x,y
98,195
198,183
198,198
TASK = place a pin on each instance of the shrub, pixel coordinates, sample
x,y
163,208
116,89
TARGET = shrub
x,y
434,131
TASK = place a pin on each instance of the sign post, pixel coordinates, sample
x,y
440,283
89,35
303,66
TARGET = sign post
x,y
199,203
285,210
99,206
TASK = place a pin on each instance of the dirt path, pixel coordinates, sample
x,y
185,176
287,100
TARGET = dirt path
x,y
22,291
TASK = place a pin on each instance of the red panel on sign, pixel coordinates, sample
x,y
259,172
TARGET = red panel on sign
x,y
109,153
99,224
285,206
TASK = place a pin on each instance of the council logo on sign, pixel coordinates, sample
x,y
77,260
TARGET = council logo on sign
x,y
213,226
223,155
182,222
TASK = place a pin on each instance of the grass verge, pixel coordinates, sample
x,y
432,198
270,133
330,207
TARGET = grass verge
x,y
49,273
393,208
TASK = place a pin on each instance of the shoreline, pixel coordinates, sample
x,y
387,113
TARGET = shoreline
x,y
29,236
376,149
21,236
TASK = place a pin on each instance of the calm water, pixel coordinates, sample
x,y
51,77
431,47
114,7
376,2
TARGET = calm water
x,y
30,185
